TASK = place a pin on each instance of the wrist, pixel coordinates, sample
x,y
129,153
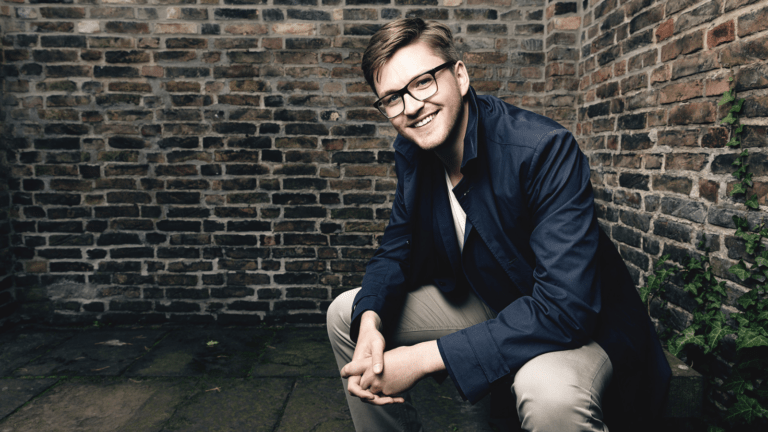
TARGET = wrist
x,y
432,360
370,320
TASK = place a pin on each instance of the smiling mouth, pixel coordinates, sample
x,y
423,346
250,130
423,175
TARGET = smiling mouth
x,y
425,121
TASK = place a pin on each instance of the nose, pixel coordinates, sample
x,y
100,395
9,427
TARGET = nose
x,y
411,105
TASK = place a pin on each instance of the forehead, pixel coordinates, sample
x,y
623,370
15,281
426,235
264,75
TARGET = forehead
x,y
406,64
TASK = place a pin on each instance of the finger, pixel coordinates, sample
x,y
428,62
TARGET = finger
x,y
377,356
355,367
384,400
367,380
353,387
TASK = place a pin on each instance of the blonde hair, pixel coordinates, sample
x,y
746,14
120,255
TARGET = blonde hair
x,y
399,33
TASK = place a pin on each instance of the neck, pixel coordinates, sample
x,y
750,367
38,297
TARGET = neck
x,y
452,152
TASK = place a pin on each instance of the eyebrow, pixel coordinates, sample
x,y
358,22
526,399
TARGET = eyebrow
x,y
409,81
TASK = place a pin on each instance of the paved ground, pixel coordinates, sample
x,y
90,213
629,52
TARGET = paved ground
x,y
190,379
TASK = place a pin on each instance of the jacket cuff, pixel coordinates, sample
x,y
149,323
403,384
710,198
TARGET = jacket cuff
x,y
448,368
473,360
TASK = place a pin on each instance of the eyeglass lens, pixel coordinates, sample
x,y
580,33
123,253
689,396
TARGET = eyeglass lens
x,y
420,88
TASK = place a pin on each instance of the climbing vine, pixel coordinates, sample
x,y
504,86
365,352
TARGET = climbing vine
x,y
712,338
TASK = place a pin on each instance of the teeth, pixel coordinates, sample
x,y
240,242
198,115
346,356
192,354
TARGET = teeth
x,y
425,121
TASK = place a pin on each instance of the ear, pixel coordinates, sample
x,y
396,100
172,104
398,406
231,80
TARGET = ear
x,y
462,77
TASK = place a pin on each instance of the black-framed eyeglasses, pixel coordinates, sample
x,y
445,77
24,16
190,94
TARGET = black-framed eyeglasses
x,y
420,88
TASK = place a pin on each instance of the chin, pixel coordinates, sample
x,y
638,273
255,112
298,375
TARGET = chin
x,y
426,140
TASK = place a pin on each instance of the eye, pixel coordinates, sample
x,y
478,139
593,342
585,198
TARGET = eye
x,y
391,100
424,81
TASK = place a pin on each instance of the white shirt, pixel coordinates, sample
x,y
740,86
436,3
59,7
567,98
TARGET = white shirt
x,y
459,217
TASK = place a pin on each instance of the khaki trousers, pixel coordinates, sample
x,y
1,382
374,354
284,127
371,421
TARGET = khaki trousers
x,y
554,392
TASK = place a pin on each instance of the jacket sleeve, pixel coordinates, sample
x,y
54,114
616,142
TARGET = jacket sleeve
x,y
385,277
562,308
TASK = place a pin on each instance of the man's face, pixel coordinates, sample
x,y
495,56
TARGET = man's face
x,y
431,122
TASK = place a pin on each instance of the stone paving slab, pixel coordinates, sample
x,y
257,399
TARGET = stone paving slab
x,y
215,352
16,392
93,352
238,404
103,405
441,408
298,352
17,349
318,405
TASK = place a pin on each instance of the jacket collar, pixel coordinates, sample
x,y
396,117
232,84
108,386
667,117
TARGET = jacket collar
x,y
409,149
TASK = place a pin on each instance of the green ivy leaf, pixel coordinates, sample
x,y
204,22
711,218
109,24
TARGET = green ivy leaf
x,y
762,259
738,383
740,222
763,317
728,97
715,336
748,338
757,363
645,292
729,119
738,188
693,264
747,179
687,337
733,142
719,288
747,299
740,270
743,321
745,410
738,129
752,202
737,106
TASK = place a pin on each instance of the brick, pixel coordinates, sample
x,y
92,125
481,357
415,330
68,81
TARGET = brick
x,y
685,209
679,92
649,17
709,190
690,65
692,113
686,44
126,27
305,29
753,22
721,34
678,138
672,184
686,161
752,77
634,181
672,230
704,13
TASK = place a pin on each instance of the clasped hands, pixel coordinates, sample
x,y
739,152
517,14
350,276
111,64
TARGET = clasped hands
x,y
378,377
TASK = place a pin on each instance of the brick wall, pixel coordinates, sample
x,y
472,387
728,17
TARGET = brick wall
x,y
7,297
218,160
651,76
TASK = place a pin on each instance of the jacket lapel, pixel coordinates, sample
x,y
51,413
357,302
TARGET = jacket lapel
x,y
443,217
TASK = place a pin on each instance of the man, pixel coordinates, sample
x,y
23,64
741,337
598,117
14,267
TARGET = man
x,y
493,268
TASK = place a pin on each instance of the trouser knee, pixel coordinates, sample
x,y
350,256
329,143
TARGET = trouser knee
x,y
338,323
550,408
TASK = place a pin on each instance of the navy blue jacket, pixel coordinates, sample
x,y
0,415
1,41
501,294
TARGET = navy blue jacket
x,y
533,252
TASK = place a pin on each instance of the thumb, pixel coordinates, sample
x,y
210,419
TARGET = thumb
x,y
377,356
354,368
